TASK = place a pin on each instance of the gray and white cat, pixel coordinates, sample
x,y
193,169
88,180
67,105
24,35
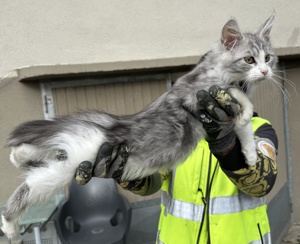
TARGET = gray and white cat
x,y
159,138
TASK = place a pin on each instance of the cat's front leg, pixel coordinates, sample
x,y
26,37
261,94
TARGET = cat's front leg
x,y
243,128
246,138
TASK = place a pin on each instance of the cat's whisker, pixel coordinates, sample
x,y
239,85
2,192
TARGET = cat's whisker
x,y
285,93
245,85
274,87
277,83
248,84
279,76
289,82
275,90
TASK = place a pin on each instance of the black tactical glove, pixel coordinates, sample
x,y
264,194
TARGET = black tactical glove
x,y
109,163
217,115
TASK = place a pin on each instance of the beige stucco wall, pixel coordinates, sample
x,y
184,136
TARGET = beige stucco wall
x,y
19,102
52,32
122,34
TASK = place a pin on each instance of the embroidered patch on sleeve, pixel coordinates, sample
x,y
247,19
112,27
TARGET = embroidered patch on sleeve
x,y
257,180
266,147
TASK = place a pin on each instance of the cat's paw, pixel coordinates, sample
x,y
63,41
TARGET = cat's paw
x,y
244,118
9,229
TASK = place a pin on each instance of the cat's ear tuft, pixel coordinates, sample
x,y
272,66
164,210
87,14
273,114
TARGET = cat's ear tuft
x,y
231,34
265,29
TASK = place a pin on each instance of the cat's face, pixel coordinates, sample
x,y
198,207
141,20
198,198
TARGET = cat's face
x,y
248,57
253,60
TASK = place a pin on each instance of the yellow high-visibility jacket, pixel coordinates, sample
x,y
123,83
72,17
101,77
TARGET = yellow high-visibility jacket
x,y
202,204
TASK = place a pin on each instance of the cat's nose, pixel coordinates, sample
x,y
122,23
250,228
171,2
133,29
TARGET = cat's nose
x,y
264,71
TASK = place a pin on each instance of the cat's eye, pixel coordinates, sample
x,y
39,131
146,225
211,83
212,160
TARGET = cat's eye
x,y
249,60
267,58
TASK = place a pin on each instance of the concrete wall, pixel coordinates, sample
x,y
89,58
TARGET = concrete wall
x,y
18,102
115,35
53,32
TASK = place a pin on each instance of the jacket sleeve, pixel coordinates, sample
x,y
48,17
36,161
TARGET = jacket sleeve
x,y
257,180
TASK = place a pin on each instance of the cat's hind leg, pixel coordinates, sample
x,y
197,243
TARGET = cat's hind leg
x,y
14,209
41,183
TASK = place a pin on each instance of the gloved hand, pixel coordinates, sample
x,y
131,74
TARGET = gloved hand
x,y
217,117
109,163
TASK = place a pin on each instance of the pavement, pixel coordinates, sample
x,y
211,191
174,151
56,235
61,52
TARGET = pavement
x,y
293,235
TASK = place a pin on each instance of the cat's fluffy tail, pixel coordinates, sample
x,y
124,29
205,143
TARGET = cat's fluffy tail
x,y
37,142
32,132
27,142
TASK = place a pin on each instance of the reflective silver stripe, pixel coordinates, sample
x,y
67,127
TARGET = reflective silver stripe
x,y
266,239
218,205
234,204
158,241
181,209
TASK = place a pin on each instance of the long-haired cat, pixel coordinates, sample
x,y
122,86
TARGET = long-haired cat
x,y
159,137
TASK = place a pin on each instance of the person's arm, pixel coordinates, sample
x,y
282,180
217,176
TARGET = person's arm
x,y
217,119
258,180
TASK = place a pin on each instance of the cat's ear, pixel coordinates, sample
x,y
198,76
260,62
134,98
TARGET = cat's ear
x,y
265,29
231,34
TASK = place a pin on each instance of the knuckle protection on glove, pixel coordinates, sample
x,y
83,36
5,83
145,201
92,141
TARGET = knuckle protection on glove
x,y
83,173
119,163
227,102
103,160
211,105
